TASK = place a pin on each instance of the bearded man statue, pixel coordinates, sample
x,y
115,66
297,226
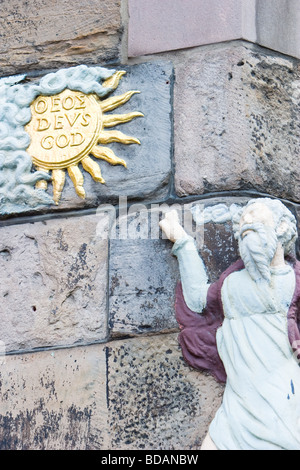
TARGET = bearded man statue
x,y
244,328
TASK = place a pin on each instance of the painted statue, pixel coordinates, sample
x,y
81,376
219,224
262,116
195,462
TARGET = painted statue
x,y
244,328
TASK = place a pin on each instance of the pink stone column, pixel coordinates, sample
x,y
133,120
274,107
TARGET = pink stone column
x,y
162,25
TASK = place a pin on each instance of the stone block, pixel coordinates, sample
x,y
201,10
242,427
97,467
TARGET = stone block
x,y
236,121
148,171
155,400
133,394
218,249
278,25
156,26
176,24
53,283
54,400
41,34
142,279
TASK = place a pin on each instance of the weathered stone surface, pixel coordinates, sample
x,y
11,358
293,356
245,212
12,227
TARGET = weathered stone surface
x,y
237,121
142,279
41,34
219,249
53,283
155,400
133,394
54,400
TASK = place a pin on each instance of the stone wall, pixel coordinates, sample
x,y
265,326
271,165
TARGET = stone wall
x,y
89,337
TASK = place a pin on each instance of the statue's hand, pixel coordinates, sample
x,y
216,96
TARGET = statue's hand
x,y
171,227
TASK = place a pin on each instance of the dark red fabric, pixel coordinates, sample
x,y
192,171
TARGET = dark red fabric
x,y
293,316
197,337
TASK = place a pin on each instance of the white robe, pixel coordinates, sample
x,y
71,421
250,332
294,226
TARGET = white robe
x,y
261,402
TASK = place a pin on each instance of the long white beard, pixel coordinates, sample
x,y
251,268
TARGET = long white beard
x,y
257,249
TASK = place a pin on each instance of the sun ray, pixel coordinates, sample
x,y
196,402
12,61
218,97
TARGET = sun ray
x,y
112,120
93,168
77,179
107,137
105,153
58,182
115,101
114,80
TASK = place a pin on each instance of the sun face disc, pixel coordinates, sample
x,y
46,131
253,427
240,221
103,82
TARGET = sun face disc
x,y
66,128
63,129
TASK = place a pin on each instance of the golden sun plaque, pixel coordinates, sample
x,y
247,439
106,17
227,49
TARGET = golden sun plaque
x,y
65,131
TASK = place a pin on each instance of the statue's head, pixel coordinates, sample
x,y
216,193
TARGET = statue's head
x,y
262,226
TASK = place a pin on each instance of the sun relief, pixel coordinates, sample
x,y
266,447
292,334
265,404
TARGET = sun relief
x,y
66,130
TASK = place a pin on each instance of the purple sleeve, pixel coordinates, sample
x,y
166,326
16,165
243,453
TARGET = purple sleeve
x,y
197,337
293,316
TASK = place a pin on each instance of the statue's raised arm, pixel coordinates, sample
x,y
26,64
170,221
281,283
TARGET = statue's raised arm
x,y
192,270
